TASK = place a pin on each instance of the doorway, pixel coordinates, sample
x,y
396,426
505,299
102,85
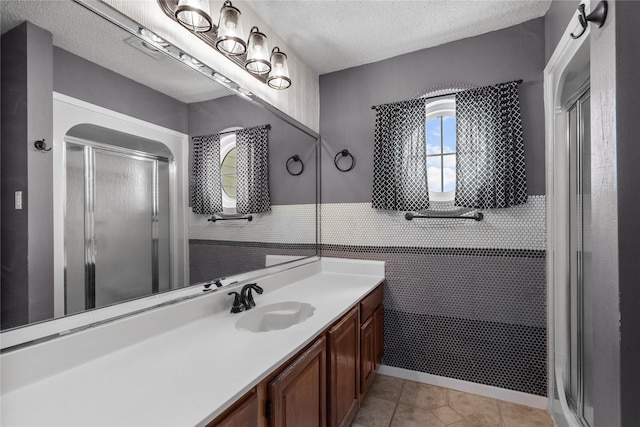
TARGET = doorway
x,y
568,174
116,223
148,158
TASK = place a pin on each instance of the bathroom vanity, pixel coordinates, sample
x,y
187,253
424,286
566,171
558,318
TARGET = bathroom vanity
x,y
189,363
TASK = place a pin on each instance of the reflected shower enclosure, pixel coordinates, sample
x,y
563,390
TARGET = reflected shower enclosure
x,y
116,223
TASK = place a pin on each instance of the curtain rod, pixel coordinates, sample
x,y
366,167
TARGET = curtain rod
x,y
268,126
437,96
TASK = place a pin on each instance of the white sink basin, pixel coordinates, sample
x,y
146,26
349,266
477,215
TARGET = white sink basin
x,y
276,316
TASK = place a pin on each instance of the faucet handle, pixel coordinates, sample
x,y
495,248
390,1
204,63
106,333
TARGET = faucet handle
x,y
249,301
246,296
237,306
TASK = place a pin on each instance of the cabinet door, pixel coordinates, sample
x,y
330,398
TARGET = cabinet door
x,y
298,394
378,320
367,354
244,415
343,370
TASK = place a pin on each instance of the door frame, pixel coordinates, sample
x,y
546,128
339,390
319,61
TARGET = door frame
x,y
556,73
69,112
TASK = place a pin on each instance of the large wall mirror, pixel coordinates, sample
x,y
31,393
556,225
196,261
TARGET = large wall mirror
x,y
97,150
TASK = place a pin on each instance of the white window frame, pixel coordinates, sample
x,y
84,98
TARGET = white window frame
x,y
441,107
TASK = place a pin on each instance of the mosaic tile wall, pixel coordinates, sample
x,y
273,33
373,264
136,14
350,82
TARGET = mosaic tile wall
x,y
226,248
211,259
463,299
283,224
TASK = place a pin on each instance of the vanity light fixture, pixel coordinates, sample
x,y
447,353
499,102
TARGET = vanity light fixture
x,y
194,15
279,75
257,53
228,38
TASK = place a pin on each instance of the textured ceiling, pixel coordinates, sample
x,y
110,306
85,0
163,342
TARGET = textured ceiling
x,y
85,34
329,35
332,35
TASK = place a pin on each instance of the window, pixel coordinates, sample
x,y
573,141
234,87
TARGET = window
x,y
441,149
228,172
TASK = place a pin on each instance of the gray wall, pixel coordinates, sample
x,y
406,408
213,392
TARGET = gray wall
x,y
14,178
556,20
210,117
615,90
454,292
32,68
76,77
27,234
627,14
347,121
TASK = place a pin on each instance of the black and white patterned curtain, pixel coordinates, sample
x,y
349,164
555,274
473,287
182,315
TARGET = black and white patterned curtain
x,y
400,157
252,146
490,170
206,194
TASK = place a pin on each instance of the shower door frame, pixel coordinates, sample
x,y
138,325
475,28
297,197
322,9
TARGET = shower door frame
x,y
568,52
90,250
69,112
576,286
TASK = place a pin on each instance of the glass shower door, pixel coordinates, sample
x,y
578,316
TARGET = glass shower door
x,y
579,384
116,226
123,212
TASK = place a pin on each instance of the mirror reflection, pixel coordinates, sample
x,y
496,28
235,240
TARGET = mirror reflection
x,y
98,177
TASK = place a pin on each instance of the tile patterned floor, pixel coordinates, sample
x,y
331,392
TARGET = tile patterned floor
x,y
394,402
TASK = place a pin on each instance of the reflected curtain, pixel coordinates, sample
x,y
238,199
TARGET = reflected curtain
x,y
490,169
400,157
206,193
252,145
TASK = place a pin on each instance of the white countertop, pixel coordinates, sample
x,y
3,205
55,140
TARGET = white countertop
x,y
193,371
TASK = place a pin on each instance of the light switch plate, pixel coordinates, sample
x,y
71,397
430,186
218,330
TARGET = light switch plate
x,y
18,200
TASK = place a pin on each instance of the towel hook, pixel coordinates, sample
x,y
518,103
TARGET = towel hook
x,y
598,16
40,145
344,153
295,158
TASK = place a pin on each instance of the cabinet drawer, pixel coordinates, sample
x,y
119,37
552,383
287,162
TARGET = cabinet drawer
x,y
370,303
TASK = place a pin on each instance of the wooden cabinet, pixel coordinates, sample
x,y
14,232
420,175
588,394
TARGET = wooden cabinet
x,y
367,355
378,327
324,383
297,396
371,337
370,303
343,369
243,414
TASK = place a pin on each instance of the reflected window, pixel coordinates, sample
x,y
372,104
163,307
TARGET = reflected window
x,y
229,172
441,149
